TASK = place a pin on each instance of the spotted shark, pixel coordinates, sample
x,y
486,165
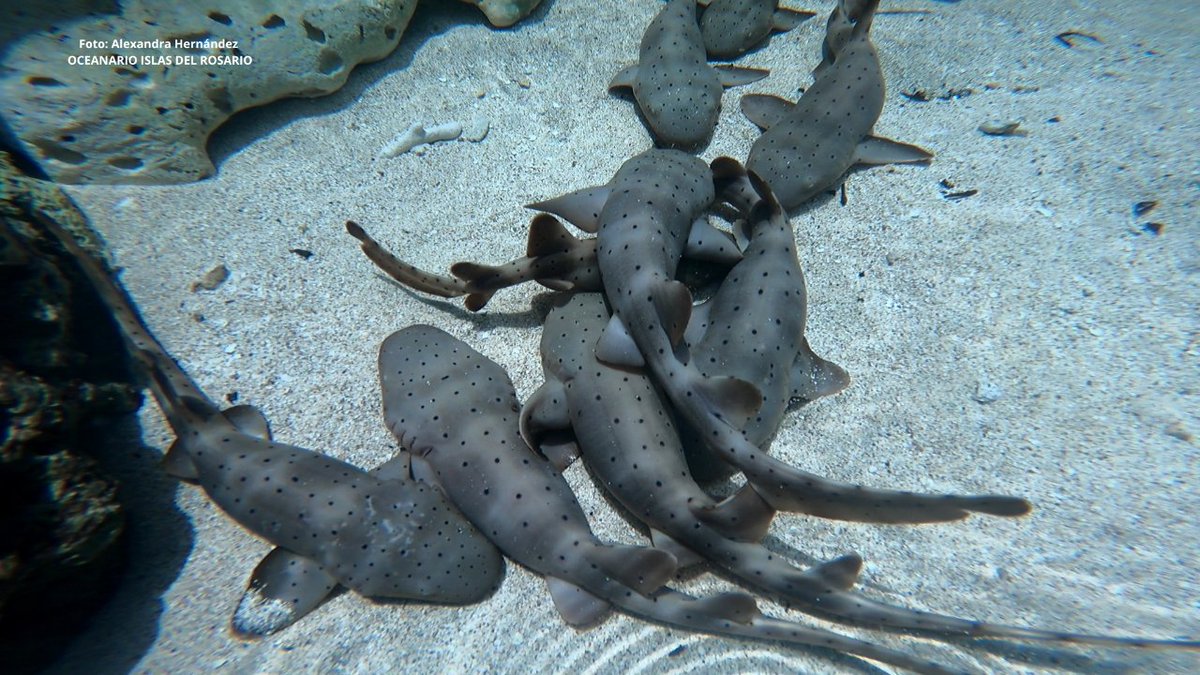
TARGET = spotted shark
x,y
384,539
753,327
455,412
733,27
677,91
553,258
643,218
617,420
808,145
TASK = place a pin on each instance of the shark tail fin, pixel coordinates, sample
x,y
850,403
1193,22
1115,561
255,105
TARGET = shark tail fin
x,y
638,567
745,516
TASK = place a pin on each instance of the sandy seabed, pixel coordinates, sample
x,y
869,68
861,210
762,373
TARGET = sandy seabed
x,y
1042,292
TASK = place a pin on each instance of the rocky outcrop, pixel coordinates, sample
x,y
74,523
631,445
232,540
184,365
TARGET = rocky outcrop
x,y
133,97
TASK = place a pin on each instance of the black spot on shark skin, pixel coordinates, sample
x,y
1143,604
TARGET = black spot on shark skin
x,y
676,90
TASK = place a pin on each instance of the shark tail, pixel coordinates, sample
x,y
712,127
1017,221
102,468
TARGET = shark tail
x,y
177,394
737,615
412,277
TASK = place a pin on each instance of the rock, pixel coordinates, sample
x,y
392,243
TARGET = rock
x,y
61,525
504,13
105,120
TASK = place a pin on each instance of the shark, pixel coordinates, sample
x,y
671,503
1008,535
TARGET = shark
x,y
733,27
554,258
456,413
645,218
676,90
616,419
753,327
807,146
384,539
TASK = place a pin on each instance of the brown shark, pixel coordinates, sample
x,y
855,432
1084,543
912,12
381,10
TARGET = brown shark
x,y
455,412
621,425
807,146
393,539
733,27
553,257
753,327
677,91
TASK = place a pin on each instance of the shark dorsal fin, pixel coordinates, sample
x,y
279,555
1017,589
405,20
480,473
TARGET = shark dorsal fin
x,y
249,420
745,516
673,301
643,569
576,606
547,236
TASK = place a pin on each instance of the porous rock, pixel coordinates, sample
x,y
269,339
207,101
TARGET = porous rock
x,y
504,13
149,122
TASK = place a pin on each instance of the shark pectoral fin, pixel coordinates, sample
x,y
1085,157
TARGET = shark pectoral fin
x,y
616,347
396,468
547,236
581,208
840,573
731,399
624,78
684,556
765,110
673,302
786,19
282,590
178,464
643,569
249,420
813,377
736,76
706,242
577,607
875,150
745,516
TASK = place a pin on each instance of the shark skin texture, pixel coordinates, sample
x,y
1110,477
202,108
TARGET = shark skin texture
x,y
677,92
807,146
733,27
753,327
616,419
348,527
470,445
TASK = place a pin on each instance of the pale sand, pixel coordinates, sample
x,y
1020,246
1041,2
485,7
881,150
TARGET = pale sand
x,y
1042,286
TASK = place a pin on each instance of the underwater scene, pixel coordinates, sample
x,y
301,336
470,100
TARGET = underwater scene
x,y
862,337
